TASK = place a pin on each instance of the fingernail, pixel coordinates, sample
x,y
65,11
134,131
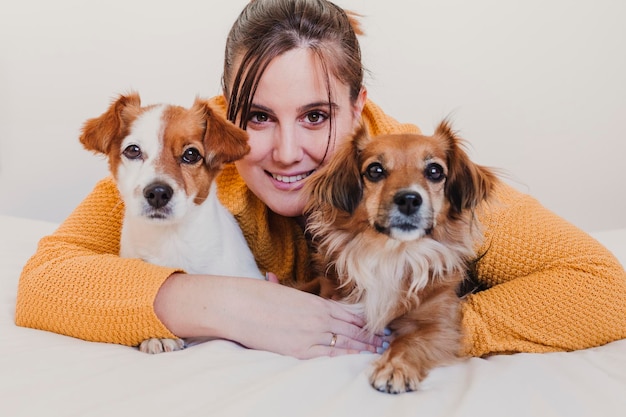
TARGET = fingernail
x,y
383,348
387,331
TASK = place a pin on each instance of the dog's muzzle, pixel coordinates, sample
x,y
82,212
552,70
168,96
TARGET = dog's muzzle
x,y
406,220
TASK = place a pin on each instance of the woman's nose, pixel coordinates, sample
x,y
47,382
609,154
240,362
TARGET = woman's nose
x,y
287,147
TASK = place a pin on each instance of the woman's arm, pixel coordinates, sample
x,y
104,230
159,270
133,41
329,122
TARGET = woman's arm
x,y
77,285
553,287
260,315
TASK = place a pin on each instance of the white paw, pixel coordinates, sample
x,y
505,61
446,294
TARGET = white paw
x,y
394,377
155,345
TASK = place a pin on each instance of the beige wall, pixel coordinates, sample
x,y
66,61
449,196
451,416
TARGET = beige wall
x,y
536,87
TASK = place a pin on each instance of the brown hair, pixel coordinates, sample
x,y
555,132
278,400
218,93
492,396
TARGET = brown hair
x,y
266,29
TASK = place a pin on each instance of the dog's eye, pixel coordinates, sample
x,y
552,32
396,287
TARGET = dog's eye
x,y
434,172
374,172
191,156
132,152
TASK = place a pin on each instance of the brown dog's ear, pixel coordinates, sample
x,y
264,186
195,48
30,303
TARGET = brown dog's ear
x,y
467,183
224,141
98,134
338,184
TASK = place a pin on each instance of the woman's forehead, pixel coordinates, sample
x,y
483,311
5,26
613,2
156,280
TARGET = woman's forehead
x,y
300,76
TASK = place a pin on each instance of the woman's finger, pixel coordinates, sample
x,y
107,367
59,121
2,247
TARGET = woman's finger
x,y
356,346
271,277
325,350
349,313
352,326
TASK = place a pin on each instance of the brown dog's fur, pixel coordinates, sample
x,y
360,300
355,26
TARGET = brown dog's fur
x,y
392,218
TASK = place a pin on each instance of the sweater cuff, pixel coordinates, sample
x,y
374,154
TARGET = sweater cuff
x,y
475,332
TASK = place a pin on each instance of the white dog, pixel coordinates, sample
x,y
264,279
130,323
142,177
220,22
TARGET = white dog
x,y
165,159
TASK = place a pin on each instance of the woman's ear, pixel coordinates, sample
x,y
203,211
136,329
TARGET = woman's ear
x,y
358,106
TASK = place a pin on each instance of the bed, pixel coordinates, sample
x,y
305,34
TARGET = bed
x,y
47,374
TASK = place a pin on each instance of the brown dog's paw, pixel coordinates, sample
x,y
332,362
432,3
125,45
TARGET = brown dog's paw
x,y
155,345
392,375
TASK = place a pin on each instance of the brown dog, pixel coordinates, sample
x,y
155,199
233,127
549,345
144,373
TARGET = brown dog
x,y
392,218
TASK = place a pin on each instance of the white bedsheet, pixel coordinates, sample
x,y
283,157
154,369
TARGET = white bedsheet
x,y
45,374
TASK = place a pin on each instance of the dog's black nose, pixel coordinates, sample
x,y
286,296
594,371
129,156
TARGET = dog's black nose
x,y
408,202
158,194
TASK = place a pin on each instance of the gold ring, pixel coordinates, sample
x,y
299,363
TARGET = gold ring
x,y
333,341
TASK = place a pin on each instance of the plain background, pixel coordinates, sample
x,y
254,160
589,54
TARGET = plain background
x,y
537,87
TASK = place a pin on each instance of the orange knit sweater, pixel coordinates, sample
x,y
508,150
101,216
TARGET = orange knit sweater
x,y
552,287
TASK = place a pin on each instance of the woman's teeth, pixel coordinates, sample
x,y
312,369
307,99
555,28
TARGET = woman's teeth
x,y
290,179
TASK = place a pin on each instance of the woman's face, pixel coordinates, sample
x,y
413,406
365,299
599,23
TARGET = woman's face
x,y
289,127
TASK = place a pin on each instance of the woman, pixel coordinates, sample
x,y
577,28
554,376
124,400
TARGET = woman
x,y
293,78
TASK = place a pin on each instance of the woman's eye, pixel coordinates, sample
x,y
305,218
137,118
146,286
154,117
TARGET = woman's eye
x,y
259,117
191,156
315,117
132,152
374,172
434,172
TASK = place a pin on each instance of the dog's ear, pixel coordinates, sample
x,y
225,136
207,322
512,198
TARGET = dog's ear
x,y
467,183
98,134
224,141
338,184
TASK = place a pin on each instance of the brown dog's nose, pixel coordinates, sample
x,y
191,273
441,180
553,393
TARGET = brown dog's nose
x,y
158,194
408,202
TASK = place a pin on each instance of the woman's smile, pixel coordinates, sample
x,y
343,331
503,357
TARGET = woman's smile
x,y
289,179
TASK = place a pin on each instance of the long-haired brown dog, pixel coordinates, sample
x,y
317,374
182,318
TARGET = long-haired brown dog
x,y
392,218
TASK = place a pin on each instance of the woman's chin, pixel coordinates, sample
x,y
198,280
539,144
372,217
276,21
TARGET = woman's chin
x,y
288,206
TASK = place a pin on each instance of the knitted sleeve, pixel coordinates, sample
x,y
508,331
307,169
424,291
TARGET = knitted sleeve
x,y
551,286
77,285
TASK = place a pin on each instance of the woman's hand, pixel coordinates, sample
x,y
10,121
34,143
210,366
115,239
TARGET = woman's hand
x,y
260,315
317,327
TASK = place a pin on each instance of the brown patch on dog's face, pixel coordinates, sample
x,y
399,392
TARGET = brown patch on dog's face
x,y
196,144
403,184
184,152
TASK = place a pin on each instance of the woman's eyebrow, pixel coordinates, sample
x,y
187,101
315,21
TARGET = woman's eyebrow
x,y
301,109
259,107
317,105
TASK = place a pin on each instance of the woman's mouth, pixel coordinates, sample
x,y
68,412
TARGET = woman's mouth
x,y
290,179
